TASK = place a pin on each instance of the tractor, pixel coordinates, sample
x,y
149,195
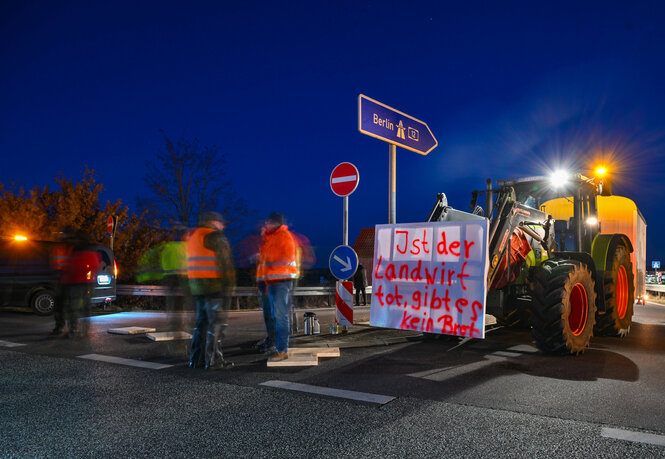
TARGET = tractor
x,y
551,268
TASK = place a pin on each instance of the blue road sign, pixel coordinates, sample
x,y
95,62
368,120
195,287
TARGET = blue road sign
x,y
343,262
655,265
382,122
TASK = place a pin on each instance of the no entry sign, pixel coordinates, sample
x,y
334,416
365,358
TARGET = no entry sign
x,y
344,179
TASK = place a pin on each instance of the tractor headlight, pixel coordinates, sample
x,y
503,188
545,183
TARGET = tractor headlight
x,y
559,178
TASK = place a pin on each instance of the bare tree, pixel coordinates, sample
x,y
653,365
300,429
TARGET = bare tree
x,y
187,180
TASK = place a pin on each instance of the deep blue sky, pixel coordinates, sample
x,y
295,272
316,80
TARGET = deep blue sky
x,y
508,88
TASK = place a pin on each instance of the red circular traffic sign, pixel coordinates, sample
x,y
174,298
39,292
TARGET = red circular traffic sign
x,y
344,179
109,224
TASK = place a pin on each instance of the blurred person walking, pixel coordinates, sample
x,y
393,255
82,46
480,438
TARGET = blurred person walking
x,y
60,253
275,273
360,284
78,276
166,264
211,276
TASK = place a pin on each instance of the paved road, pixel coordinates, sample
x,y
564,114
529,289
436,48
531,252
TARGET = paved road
x,y
492,397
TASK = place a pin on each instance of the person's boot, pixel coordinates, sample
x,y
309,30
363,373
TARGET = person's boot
x,y
214,359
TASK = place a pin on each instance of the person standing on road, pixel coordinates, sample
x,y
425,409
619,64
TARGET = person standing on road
x,y
276,270
211,276
78,275
60,253
360,284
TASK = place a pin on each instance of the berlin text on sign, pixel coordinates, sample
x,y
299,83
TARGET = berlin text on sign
x,y
385,123
431,277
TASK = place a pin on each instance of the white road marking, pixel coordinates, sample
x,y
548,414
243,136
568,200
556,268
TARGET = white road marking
x,y
10,344
524,349
507,354
348,178
121,361
340,393
639,437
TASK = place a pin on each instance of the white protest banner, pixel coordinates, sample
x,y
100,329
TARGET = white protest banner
x,y
431,277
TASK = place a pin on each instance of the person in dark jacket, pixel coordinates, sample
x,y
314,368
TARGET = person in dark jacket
x,y
211,277
360,284
78,276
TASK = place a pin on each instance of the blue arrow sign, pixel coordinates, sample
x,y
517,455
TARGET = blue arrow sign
x,y
655,265
382,122
343,262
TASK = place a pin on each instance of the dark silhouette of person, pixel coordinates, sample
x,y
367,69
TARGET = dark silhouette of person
x,y
360,284
78,274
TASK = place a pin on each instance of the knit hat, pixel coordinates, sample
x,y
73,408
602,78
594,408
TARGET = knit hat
x,y
276,217
211,217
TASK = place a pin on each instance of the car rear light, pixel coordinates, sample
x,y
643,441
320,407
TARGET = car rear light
x,y
115,269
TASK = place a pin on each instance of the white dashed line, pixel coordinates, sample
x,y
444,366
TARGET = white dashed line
x,y
10,344
330,392
638,437
121,361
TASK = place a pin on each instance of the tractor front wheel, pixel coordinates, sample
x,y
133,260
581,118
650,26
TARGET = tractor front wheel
x,y
619,296
563,310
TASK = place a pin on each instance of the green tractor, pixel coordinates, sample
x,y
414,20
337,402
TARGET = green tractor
x,y
551,269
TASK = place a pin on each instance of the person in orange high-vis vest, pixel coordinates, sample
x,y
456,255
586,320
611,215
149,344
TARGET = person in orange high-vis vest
x,y
211,277
276,270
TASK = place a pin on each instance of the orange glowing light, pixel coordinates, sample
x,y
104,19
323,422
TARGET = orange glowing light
x,y
600,171
19,237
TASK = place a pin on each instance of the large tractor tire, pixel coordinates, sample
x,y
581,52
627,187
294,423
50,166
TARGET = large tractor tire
x,y
619,296
563,308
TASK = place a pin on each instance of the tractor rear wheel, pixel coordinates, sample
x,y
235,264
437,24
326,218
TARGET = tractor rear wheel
x,y
619,296
563,308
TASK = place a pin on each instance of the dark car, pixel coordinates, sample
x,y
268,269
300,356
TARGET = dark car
x,y
28,276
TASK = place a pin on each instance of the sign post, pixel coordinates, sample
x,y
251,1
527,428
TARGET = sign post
x,y
344,181
397,128
111,225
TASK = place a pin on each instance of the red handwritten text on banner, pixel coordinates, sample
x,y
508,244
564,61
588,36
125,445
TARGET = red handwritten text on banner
x,y
430,277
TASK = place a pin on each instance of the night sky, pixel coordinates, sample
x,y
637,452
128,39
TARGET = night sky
x,y
508,88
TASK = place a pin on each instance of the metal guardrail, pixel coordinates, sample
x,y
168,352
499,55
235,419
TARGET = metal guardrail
x,y
657,288
163,290
238,292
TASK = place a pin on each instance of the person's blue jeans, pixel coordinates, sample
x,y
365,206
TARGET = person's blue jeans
x,y
276,298
208,331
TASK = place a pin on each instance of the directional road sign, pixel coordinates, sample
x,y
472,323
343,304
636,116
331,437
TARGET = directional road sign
x,y
344,179
655,265
343,262
383,122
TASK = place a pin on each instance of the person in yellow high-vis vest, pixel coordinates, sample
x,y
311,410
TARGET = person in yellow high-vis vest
x,y
276,270
211,278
